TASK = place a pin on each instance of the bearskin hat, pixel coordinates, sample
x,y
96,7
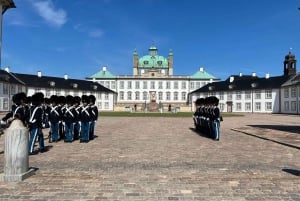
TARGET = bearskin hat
x,y
84,99
77,100
62,100
54,99
37,98
69,99
92,99
19,98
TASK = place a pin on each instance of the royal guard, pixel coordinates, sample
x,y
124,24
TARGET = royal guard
x,y
85,118
62,104
77,107
215,118
47,109
54,118
94,116
18,110
35,123
69,119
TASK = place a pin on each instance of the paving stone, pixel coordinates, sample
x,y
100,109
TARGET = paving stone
x,y
166,159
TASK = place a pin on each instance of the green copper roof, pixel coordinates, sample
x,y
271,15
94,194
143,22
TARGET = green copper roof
x,y
153,60
152,48
201,74
104,73
156,61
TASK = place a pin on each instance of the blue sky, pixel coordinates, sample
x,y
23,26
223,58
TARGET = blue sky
x,y
78,37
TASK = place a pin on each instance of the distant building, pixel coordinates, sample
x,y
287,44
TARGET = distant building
x,y
249,93
153,85
12,83
9,85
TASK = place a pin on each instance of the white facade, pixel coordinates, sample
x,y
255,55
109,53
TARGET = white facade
x,y
257,101
140,91
239,93
290,96
7,90
153,85
13,83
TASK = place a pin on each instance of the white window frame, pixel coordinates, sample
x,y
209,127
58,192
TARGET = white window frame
x,y
268,94
257,106
268,106
247,106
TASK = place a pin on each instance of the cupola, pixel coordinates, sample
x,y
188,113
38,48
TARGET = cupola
x,y
290,64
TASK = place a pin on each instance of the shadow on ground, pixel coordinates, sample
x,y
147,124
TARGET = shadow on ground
x,y
200,133
292,171
293,129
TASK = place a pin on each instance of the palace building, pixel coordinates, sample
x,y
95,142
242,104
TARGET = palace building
x,y
12,83
152,85
250,93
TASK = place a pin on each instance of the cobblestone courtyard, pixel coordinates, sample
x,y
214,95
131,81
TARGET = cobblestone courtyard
x,y
165,159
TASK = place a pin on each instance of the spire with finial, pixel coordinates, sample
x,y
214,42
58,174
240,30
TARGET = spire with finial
x,y
290,64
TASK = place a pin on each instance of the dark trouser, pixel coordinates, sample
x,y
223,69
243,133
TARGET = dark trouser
x,y
92,130
61,130
85,131
69,135
34,133
216,129
76,130
54,131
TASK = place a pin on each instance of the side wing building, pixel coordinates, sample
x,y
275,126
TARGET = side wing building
x,y
249,93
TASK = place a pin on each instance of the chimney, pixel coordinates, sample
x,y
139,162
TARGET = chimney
x,y
253,74
267,75
241,74
201,69
39,73
7,69
231,78
66,76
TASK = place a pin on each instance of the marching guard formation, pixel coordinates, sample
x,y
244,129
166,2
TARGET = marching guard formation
x,y
207,117
68,118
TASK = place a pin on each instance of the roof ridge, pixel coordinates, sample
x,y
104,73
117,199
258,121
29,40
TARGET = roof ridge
x,y
16,78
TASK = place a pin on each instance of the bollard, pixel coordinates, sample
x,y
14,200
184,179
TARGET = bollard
x,y
16,158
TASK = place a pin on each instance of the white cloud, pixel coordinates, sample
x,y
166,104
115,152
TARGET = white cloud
x,y
93,33
96,33
79,27
46,9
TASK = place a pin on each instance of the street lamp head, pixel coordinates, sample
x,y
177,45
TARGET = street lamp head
x,y
6,4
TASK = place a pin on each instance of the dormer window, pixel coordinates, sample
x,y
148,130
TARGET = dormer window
x,y
52,83
75,85
159,63
146,62
253,85
95,87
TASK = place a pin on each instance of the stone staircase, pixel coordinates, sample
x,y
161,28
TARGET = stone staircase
x,y
153,107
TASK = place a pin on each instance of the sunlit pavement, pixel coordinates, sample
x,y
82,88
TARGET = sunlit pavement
x,y
257,158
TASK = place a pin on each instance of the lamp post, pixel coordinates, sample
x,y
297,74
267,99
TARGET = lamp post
x,y
4,5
